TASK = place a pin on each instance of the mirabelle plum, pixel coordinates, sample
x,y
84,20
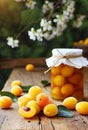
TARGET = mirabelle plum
x,y
70,102
75,79
56,93
29,67
34,91
23,100
56,70
86,41
67,71
82,107
16,90
33,103
50,110
67,89
42,99
59,80
5,102
27,112
16,82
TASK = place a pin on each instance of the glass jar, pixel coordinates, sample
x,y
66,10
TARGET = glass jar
x,y
67,81
67,75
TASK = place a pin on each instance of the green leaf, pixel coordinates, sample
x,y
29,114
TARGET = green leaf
x,y
26,88
45,83
9,94
64,111
29,17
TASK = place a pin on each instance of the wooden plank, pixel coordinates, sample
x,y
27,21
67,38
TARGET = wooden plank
x,y
21,62
2,119
11,120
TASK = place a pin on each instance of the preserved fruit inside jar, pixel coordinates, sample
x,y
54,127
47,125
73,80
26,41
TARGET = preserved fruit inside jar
x,y
67,76
67,81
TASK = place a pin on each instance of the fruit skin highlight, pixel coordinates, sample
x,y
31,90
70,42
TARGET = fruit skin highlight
x,y
59,80
16,90
5,102
23,100
42,99
67,89
67,71
34,91
16,82
56,70
56,93
70,102
82,107
50,110
29,67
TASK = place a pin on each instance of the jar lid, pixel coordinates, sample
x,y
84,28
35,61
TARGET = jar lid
x,y
71,57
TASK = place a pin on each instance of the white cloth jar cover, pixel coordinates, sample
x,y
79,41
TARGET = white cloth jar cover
x,y
71,57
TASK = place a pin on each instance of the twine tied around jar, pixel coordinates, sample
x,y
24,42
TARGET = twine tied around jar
x,y
61,56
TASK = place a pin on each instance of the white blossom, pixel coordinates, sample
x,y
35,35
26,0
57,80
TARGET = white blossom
x,y
11,42
57,23
68,13
30,4
63,1
48,6
49,28
59,20
36,34
49,35
39,34
53,22
78,22
32,34
47,25
62,20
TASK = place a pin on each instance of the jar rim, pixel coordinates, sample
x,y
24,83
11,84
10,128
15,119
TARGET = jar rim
x,y
67,51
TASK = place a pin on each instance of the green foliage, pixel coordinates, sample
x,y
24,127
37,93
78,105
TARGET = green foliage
x,y
26,88
16,20
82,6
64,112
45,83
29,17
9,94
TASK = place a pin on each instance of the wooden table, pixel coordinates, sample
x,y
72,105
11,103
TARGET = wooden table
x,y
11,120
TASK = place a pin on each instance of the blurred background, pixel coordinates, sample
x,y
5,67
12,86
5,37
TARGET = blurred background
x,y
16,19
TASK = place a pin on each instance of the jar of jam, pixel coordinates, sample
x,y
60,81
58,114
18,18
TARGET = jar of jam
x,y
67,75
